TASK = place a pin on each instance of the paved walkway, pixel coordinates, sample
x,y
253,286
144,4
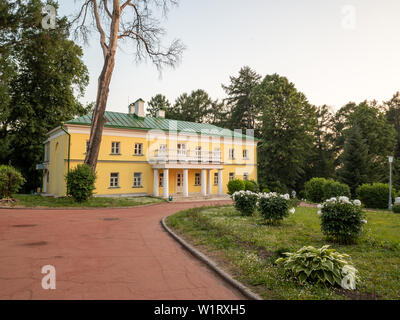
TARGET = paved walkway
x,y
101,254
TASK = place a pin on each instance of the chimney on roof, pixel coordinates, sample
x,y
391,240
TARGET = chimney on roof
x,y
137,108
160,114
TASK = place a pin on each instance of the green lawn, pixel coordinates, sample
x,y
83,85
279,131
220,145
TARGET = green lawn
x,y
247,248
99,202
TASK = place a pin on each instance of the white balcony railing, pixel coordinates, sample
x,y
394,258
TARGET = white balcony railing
x,y
187,155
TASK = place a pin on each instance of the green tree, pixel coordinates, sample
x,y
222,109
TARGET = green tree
x,y
393,118
288,123
43,91
156,103
243,112
355,169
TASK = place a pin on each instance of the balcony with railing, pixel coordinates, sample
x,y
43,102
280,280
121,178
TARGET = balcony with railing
x,y
182,155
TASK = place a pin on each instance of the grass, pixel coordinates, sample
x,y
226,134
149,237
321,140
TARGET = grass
x,y
95,202
248,248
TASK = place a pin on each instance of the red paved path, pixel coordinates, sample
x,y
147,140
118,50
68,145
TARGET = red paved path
x,y
129,258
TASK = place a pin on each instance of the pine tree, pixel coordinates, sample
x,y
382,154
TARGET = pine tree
x,y
156,103
355,160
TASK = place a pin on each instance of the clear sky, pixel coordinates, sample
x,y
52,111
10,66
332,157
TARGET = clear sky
x,y
334,51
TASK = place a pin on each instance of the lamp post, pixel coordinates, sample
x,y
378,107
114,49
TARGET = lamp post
x,y
390,182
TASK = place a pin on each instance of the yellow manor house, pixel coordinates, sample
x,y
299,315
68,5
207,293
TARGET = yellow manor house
x,y
142,155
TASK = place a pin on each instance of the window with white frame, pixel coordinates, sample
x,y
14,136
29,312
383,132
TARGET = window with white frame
x,y
138,149
137,180
198,152
47,152
245,154
215,178
231,176
114,180
231,154
162,149
245,176
161,179
197,180
115,147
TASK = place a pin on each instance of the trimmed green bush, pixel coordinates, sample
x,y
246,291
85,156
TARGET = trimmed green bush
x,y
11,181
334,188
274,207
80,183
245,202
341,219
396,208
374,195
323,266
251,185
235,185
314,189
266,190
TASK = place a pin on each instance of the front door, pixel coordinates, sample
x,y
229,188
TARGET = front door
x,y
179,182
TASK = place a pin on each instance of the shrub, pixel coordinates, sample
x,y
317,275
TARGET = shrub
x,y
333,188
342,219
321,266
314,189
251,185
80,183
266,190
235,185
274,207
396,208
245,202
11,181
374,195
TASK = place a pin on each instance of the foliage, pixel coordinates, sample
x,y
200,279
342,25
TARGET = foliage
x,y
333,188
43,87
375,195
314,189
396,208
342,219
245,202
274,207
11,181
80,182
235,185
321,266
251,185
156,103
288,123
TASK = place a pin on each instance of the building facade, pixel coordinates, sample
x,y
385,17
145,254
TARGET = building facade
x,y
142,155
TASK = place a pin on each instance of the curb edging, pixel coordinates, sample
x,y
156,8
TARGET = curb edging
x,y
211,264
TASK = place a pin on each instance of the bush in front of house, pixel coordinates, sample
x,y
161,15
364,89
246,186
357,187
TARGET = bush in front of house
x,y
314,189
396,208
374,195
323,266
251,185
334,188
235,185
342,220
11,181
245,202
80,183
274,207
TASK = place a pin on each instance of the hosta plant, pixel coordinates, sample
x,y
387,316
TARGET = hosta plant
x,y
342,220
274,207
320,266
245,202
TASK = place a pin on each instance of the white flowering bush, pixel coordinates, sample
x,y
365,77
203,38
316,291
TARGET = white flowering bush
x,y
342,219
274,207
245,201
321,266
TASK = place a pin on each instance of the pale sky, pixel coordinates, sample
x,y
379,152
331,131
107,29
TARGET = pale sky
x,y
330,54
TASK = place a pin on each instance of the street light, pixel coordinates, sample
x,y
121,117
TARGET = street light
x,y
390,182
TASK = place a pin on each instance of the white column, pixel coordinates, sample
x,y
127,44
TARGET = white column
x,y
209,182
165,184
220,183
203,182
185,183
155,183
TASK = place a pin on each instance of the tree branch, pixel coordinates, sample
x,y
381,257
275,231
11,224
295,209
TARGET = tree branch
x,y
100,29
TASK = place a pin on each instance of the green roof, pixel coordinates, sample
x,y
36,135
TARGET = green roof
x,y
132,121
